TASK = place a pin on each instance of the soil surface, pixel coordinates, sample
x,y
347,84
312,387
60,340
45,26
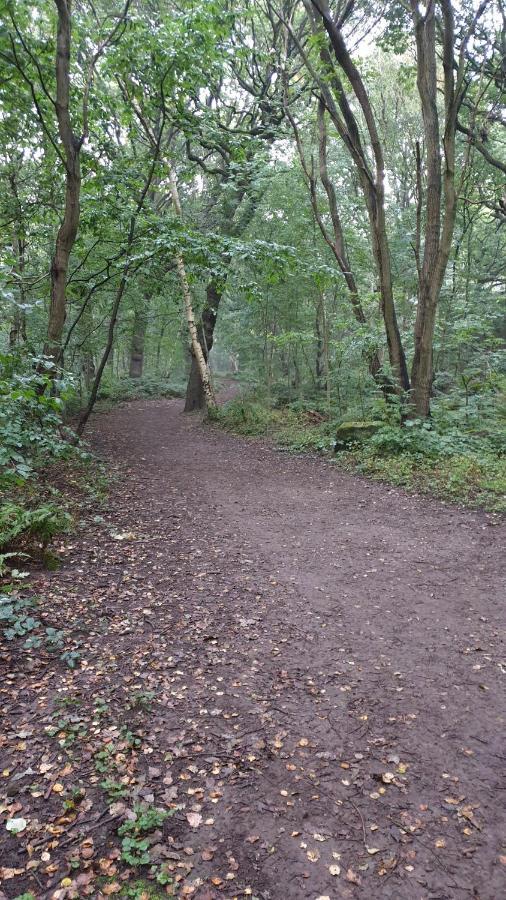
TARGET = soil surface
x,y
303,666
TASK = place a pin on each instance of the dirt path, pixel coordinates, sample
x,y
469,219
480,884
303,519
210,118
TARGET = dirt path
x,y
310,664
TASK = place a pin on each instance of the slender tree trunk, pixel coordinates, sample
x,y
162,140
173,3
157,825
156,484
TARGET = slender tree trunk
x,y
335,99
382,255
137,344
105,356
67,231
161,335
320,342
109,348
17,332
195,397
372,182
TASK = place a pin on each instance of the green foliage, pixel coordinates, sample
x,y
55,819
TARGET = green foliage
x,y
463,478
31,427
114,789
40,524
435,457
17,621
248,417
134,844
139,389
142,700
142,889
15,617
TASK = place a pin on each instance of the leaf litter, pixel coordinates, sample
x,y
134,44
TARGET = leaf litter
x,y
172,753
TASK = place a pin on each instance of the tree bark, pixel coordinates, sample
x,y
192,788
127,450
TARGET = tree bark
x,y
196,346
372,181
67,231
441,194
137,344
195,398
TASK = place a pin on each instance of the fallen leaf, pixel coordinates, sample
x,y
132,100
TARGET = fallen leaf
x,y
16,825
10,873
194,819
352,877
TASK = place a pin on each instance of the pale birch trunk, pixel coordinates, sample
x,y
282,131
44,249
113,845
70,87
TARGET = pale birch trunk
x,y
196,347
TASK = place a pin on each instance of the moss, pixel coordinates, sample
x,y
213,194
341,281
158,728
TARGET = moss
x,y
349,433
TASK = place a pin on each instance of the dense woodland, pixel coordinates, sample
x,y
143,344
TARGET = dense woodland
x,y
312,191
252,371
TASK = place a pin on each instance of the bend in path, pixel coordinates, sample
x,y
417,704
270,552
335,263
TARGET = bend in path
x,y
340,656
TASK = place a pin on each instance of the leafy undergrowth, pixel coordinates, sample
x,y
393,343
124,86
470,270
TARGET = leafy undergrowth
x,y
45,474
451,462
147,387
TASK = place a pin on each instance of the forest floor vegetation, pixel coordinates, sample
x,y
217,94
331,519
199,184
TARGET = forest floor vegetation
x,y
458,461
286,682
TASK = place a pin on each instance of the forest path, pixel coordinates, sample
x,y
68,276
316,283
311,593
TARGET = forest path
x,y
320,620
309,660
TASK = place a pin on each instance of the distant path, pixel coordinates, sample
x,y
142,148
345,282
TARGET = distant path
x,y
328,631
304,665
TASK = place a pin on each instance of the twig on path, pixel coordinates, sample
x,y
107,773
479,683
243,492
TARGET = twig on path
x,y
355,807
51,786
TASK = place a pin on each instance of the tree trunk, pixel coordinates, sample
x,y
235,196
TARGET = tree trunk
x,y
422,371
17,332
441,193
105,356
320,344
196,346
335,99
137,344
67,231
195,397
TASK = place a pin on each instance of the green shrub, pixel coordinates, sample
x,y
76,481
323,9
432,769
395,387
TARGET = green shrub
x,y
139,388
22,525
31,427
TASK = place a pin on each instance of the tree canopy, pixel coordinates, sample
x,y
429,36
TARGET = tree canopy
x,y
307,195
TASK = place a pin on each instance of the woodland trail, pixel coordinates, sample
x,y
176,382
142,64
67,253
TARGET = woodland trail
x,y
311,663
